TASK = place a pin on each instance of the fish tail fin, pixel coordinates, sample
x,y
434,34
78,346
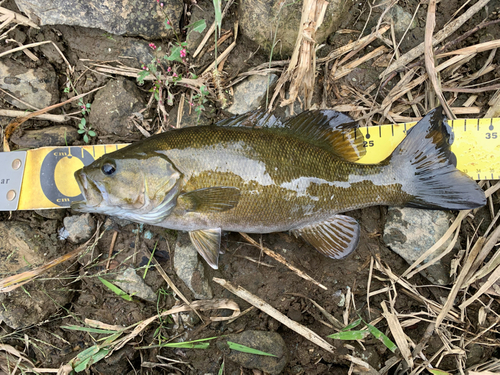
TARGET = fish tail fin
x,y
436,183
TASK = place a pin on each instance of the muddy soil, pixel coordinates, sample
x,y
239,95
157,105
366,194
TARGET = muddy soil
x,y
50,345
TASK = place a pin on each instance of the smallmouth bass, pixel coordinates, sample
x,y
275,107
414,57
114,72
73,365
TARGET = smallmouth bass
x,y
254,173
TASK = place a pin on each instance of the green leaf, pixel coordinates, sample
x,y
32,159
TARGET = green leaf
x,y
380,336
141,76
83,122
435,371
116,290
88,105
88,357
166,24
89,329
350,335
352,325
86,138
175,54
246,349
198,26
81,131
92,133
218,13
221,370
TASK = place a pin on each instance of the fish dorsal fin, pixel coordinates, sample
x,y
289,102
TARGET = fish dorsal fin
x,y
253,119
336,237
330,130
212,199
207,242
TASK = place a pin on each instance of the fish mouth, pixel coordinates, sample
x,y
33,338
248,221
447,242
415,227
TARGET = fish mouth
x,y
92,195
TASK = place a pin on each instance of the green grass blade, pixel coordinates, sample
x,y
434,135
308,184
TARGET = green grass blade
x,y
88,357
246,349
90,330
116,290
194,344
221,370
380,336
435,371
352,325
218,14
350,335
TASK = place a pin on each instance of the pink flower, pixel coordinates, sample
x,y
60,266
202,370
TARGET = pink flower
x,y
168,23
152,45
174,75
161,4
169,69
183,52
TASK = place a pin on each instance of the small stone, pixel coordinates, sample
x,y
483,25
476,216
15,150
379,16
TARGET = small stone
x,y
294,314
113,105
189,267
51,136
79,228
135,285
248,95
37,87
268,342
401,18
410,232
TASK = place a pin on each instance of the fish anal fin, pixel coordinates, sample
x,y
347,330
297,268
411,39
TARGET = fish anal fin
x,y
212,199
207,242
336,237
330,130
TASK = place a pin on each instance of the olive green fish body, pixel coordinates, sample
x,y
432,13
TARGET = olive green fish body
x,y
298,175
284,182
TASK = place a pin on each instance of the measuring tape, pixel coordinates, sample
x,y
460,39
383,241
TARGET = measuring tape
x,y
43,178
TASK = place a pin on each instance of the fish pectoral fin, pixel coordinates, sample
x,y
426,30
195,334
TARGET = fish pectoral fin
x,y
207,242
213,199
336,237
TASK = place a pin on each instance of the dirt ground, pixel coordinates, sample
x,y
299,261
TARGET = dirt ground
x,y
50,345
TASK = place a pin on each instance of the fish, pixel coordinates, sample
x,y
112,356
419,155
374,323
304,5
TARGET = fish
x,y
257,173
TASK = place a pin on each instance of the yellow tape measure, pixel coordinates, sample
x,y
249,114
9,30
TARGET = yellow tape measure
x,y
43,178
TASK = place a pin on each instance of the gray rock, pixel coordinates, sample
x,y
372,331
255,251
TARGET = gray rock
x,y
52,136
113,105
21,249
106,47
37,87
249,94
189,267
401,19
268,342
130,17
78,228
259,21
410,232
134,285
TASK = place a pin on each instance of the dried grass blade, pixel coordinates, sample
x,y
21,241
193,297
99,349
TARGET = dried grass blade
x,y
481,47
438,38
398,334
460,280
271,311
429,57
491,280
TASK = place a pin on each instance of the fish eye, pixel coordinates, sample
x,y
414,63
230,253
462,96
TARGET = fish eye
x,y
108,168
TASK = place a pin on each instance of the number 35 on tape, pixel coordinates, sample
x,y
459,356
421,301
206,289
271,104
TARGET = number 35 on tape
x,y
43,178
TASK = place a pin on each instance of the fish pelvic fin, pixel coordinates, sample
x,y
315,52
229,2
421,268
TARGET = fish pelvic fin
x,y
207,242
425,155
335,238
